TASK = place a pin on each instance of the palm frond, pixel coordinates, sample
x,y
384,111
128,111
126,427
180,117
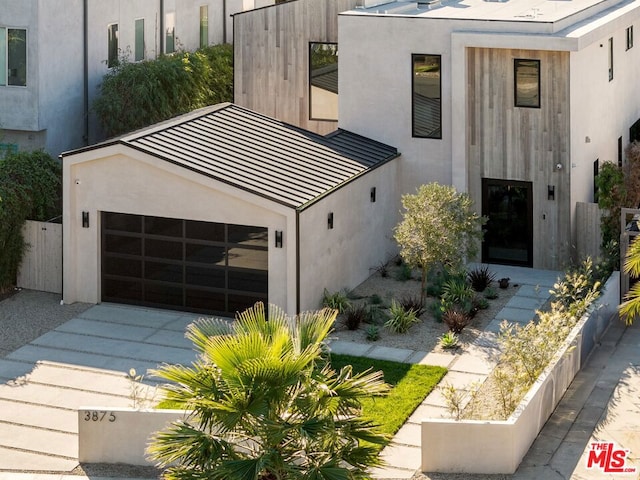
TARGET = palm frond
x,y
632,261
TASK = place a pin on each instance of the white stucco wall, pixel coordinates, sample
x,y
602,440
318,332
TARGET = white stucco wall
x,y
118,179
361,237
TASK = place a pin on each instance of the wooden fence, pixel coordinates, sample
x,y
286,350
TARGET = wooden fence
x,y
41,267
588,231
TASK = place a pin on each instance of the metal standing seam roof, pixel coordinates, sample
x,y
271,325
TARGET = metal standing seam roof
x,y
260,154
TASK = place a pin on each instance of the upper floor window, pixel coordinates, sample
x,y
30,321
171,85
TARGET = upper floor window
x,y
170,33
323,81
527,83
426,96
204,26
112,52
610,51
139,41
13,56
629,37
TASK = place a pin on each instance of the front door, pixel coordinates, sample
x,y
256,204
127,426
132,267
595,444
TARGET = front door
x,y
508,237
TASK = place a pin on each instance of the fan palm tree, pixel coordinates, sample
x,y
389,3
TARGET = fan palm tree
x,y
266,405
630,309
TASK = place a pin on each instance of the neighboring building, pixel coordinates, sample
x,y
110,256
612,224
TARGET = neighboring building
x,y
515,102
54,53
222,207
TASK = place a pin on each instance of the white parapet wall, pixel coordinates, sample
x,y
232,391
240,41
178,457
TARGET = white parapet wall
x,y
119,435
498,447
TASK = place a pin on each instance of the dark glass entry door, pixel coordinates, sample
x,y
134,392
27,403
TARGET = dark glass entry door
x,y
508,237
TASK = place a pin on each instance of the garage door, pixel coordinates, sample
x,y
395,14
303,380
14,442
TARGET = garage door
x,y
183,264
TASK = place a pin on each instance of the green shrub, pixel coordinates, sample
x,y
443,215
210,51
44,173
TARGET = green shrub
x,y
375,299
491,293
404,273
400,320
449,340
337,300
372,333
457,291
414,303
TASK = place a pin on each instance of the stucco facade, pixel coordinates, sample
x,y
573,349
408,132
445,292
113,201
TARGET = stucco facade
x,y
53,110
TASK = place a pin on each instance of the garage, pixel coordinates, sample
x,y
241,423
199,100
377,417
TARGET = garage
x,y
219,208
183,264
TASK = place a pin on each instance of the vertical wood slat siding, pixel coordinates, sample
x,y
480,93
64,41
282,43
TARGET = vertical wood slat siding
x,y
271,52
515,143
41,267
588,232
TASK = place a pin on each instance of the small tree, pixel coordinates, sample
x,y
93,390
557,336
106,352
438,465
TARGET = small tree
x,y
266,404
439,227
630,308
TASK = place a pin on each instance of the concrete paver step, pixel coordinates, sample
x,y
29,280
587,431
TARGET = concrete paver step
x,y
41,416
60,397
38,440
19,461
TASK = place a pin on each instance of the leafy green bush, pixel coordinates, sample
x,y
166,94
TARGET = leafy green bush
x,y
491,293
372,333
29,189
134,95
449,340
336,300
400,320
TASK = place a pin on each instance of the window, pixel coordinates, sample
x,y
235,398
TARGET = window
x,y
596,170
112,52
527,83
139,45
204,26
610,48
620,152
323,81
426,89
170,33
629,37
13,56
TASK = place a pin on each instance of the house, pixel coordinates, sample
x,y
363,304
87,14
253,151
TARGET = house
x,y
219,208
516,102
54,53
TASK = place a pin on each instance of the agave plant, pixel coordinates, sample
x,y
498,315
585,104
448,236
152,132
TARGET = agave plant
x,y
266,404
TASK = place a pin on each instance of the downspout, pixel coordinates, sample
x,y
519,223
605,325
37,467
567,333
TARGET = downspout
x,y
85,80
161,29
224,21
297,261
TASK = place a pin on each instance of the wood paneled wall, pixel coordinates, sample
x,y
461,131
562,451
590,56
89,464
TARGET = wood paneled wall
x,y
271,57
41,267
527,144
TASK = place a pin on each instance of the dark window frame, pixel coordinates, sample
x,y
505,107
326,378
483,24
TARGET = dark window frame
x,y
14,59
310,76
610,57
629,37
169,33
518,99
204,26
112,45
139,43
437,133
596,172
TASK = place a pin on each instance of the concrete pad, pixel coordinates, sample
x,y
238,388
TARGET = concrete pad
x,y
527,303
473,364
170,338
390,473
535,291
566,457
34,353
60,397
181,324
426,411
38,416
114,348
129,315
435,359
409,434
17,460
402,456
64,375
39,440
494,326
390,353
81,326
541,451
461,380
11,369
343,347
538,473
516,315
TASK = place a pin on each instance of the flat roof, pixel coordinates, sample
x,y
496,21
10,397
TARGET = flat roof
x,y
537,11
257,153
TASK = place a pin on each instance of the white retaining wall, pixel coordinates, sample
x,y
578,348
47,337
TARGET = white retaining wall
x,y
495,447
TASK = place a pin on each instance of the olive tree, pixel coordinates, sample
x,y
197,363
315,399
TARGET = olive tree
x,y
439,226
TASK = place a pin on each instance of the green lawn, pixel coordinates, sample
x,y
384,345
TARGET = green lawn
x,y
411,384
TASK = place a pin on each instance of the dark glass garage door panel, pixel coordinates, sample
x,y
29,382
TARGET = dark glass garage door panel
x,y
122,245
248,281
122,222
213,232
212,268
245,235
168,227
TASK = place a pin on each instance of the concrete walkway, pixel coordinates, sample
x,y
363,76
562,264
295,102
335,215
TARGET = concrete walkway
x,y
85,360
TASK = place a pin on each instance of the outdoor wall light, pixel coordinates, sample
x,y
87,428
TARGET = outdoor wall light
x,y
373,194
330,221
551,192
278,238
85,219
